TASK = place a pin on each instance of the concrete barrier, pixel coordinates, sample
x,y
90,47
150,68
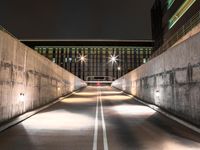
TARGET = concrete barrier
x,y
29,80
170,81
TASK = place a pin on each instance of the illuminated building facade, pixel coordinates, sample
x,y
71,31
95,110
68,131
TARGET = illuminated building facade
x,y
85,60
171,20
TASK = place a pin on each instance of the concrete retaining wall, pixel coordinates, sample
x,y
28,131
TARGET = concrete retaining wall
x,y
29,80
170,81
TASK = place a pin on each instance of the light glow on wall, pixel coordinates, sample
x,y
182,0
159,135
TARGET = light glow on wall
x,y
123,84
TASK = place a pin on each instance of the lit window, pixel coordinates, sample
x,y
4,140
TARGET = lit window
x,y
180,12
170,3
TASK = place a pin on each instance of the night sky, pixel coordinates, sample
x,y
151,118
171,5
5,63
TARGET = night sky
x,y
77,19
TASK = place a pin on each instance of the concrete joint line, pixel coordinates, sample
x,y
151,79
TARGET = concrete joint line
x,y
105,141
156,108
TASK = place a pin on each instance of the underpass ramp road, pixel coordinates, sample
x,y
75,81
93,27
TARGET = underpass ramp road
x,y
99,118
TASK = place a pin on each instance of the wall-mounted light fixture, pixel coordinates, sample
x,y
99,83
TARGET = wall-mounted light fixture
x,y
157,93
21,97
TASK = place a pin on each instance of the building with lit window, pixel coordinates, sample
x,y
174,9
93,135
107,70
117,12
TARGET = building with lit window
x,y
171,20
95,58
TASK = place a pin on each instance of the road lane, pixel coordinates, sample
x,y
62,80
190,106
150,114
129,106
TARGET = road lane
x,y
99,118
67,125
133,126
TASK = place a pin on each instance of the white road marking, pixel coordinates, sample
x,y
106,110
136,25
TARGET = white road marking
x,y
96,125
105,141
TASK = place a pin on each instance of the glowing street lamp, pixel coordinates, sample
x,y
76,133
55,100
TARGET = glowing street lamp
x,y
82,58
113,59
118,68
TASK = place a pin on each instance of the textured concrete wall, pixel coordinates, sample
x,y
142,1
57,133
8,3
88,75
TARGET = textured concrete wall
x,y
170,81
25,72
192,32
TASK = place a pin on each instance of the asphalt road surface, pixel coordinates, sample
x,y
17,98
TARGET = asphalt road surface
x,y
99,118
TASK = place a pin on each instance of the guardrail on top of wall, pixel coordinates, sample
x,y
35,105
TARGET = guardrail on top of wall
x,y
6,31
188,26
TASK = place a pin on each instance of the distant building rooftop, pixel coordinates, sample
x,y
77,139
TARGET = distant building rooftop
x,y
61,42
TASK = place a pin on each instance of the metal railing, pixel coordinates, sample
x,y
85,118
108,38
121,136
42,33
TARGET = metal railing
x,y
6,31
188,26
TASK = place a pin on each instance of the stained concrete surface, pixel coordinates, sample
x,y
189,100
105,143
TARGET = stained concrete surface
x,y
171,81
28,80
70,125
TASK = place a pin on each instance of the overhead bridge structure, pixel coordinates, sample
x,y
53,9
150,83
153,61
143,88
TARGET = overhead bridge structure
x,y
45,107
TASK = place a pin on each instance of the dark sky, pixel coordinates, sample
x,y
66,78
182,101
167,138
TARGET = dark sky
x,y
77,19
